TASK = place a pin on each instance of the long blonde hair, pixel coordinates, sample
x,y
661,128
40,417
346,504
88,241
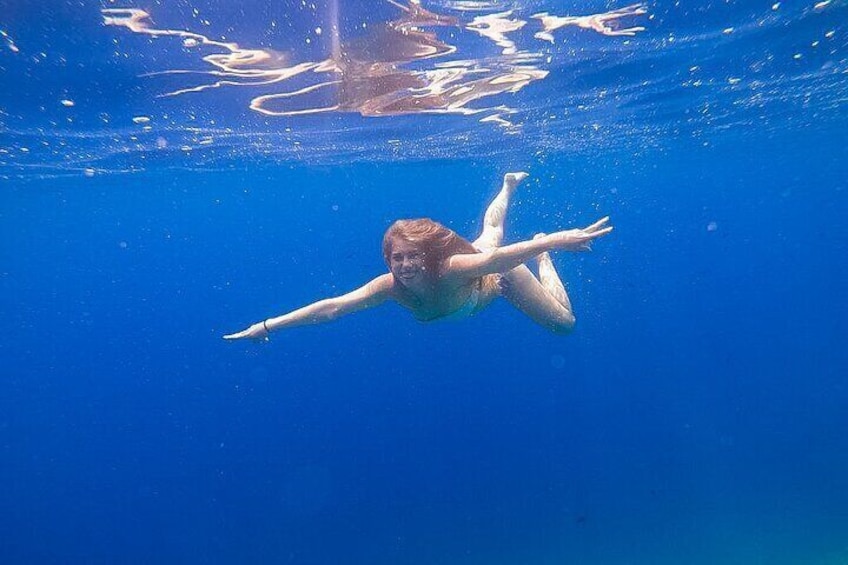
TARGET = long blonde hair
x,y
437,242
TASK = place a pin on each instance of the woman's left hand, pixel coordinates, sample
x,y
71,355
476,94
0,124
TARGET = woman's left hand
x,y
581,239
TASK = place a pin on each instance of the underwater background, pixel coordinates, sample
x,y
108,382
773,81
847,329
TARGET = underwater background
x,y
698,413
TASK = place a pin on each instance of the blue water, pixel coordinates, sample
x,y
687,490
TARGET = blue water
x,y
697,414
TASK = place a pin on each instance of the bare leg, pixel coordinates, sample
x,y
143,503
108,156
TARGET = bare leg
x,y
493,220
526,293
545,302
549,278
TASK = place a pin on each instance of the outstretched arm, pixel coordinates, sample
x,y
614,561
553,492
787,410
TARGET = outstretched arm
x,y
503,259
372,294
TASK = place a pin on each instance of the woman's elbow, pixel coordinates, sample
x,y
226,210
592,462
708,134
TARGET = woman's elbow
x,y
326,312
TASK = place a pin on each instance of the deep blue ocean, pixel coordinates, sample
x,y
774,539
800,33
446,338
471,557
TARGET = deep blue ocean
x,y
698,414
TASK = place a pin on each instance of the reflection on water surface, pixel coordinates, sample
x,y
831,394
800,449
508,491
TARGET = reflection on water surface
x,y
403,66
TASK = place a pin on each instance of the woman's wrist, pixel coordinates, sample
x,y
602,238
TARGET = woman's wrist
x,y
265,327
561,239
551,241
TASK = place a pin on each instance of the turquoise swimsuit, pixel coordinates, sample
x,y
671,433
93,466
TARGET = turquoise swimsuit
x,y
464,311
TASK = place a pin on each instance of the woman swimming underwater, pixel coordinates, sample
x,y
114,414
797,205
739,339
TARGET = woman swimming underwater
x,y
438,275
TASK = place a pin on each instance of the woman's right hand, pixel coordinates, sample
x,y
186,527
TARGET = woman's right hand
x,y
581,239
256,331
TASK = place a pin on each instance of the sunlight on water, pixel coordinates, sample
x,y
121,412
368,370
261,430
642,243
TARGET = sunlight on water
x,y
205,86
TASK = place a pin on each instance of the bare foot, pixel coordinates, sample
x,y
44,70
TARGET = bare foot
x,y
550,279
511,180
544,255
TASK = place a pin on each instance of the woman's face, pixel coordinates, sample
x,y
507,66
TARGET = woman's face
x,y
407,263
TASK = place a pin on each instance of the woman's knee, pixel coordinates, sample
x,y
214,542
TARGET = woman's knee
x,y
562,323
